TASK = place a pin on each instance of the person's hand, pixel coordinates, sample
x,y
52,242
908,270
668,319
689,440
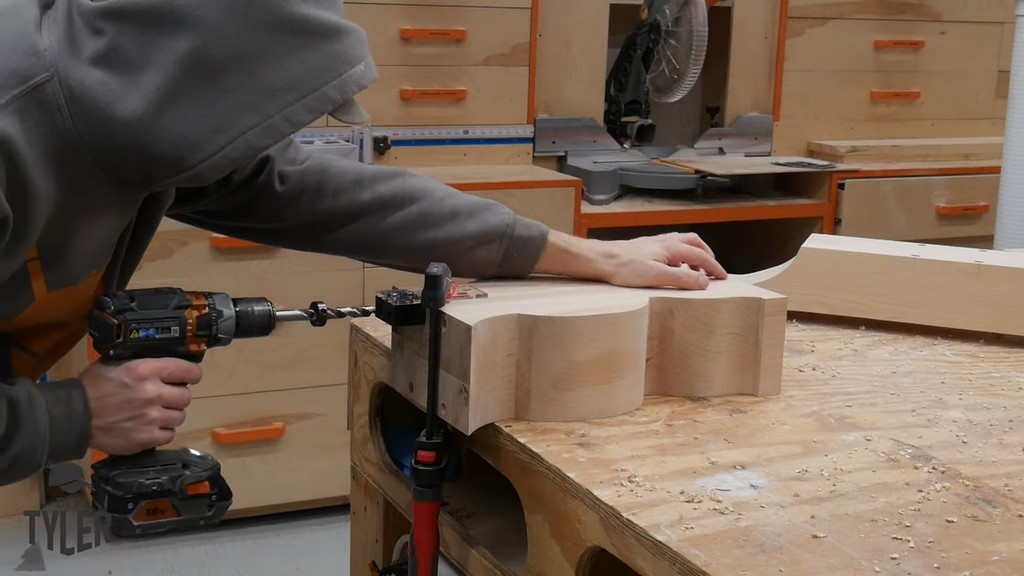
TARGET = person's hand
x,y
138,405
673,260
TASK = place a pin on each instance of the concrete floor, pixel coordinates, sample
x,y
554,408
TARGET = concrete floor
x,y
314,543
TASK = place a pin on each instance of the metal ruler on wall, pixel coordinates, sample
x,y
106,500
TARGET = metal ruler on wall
x,y
431,135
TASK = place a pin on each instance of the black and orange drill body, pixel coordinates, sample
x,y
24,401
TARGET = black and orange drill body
x,y
167,490
174,323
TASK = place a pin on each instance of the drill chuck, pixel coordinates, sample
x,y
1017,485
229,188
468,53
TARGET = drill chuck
x,y
254,317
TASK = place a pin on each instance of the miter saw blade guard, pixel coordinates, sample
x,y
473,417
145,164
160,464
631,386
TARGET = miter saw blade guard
x,y
661,60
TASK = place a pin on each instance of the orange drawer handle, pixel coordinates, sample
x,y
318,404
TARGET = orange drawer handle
x,y
899,95
433,93
244,435
887,44
451,34
221,242
962,209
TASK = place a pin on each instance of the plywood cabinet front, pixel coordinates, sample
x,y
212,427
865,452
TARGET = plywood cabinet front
x,y
919,208
276,449
446,95
444,35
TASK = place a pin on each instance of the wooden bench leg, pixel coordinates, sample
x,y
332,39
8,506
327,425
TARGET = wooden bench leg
x,y
376,526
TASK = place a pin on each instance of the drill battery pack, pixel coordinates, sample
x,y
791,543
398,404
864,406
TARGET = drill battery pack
x,y
160,491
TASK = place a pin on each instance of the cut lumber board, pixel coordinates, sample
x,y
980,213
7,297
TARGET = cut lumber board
x,y
950,287
563,350
908,150
739,165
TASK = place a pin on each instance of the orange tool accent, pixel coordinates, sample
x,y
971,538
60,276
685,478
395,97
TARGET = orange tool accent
x,y
433,93
962,209
884,44
198,488
245,435
153,510
453,34
899,95
221,242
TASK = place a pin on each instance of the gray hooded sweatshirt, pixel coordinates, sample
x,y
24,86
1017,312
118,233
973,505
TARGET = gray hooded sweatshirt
x,y
117,113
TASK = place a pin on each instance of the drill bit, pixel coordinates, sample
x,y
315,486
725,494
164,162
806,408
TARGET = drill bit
x,y
319,313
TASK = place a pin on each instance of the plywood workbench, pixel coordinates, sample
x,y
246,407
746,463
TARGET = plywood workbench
x,y
892,450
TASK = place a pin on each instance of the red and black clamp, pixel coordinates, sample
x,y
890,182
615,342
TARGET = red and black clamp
x,y
430,458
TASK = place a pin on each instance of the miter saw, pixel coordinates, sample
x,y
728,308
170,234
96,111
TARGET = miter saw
x,y
661,60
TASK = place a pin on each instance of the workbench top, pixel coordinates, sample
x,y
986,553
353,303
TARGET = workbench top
x,y
888,452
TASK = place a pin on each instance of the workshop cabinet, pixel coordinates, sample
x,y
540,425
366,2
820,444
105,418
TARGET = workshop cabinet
x,y
870,70
461,63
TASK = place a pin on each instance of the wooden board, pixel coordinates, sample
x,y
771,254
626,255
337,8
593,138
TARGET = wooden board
x,y
739,165
553,349
752,53
909,150
923,284
791,136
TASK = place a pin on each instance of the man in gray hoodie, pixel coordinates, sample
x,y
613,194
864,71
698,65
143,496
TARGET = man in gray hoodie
x,y
115,114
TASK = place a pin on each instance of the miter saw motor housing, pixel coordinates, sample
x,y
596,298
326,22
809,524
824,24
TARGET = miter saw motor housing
x,y
627,100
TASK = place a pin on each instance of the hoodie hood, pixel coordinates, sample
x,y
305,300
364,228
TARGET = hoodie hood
x,y
198,87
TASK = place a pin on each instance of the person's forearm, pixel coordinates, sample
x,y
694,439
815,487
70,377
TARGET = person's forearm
x,y
40,423
376,214
566,255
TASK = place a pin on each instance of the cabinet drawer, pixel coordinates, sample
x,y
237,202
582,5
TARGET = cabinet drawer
x,y
297,355
467,3
927,10
555,207
889,95
305,461
446,95
444,35
919,208
893,45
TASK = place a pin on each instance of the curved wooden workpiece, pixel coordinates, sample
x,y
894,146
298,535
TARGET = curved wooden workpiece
x,y
563,350
907,282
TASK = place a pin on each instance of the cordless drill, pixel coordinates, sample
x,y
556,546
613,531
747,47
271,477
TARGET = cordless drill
x,y
168,490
